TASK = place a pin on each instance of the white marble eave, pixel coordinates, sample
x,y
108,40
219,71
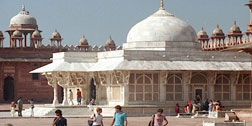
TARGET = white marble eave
x,y
104,65
64,66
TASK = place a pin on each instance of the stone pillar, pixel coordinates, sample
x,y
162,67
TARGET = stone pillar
x,y
186,92
98,94
126,94
65,99
234,82
108,94
163,93
210,91
83,95
233,92
211,77
55,95
187,76
163,81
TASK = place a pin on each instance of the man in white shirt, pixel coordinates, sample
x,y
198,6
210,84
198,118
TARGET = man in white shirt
x,y
70,97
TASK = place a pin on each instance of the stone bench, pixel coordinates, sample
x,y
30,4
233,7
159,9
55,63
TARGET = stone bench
x,y
219,114
201,114
184,115
206,123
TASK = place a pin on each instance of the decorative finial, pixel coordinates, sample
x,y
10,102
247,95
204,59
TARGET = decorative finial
x,y
110,38
218,26
235,23
162,5
56,30
202,29
83,36
23,7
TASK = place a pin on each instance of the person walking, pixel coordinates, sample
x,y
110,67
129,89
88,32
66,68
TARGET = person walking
x,y
120,118
70,97
13,108
20,106
158,119
79,96
59,120
32,107
96,120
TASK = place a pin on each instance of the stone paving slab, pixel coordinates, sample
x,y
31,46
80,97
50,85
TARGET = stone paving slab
x,y
6,107
133,121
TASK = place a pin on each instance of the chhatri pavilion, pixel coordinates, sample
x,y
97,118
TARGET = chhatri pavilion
x,y
163,62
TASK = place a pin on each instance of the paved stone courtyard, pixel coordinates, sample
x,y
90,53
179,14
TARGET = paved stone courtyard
x,y
133,121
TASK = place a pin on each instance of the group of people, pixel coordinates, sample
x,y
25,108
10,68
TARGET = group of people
x,y
19,103
70,97
198,105
119,118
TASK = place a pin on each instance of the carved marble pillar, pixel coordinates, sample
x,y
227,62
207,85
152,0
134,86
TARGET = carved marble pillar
x,y
211,76
52,81
64,80
187,76
234,82
163,82
126,94
125,75
65,99
84,95
55,95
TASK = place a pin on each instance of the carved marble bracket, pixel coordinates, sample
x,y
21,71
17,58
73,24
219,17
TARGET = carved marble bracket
x,y
78,79
121,77
102,76
187,77
164,78
51,80
212,76
235,77
63,78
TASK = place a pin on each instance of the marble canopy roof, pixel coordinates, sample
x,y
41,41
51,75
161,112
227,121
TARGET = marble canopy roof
x,y
134,65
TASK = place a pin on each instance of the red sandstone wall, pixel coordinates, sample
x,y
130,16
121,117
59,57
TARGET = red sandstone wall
x,y
17,63
24,85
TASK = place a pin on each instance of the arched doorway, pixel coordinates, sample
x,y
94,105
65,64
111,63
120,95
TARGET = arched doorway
x,y
8,92
92,90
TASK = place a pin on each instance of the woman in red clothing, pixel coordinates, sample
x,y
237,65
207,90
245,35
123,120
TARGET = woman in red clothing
x,y
177,109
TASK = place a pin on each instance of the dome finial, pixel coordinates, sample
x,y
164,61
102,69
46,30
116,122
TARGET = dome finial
x,y
23,7
161,5
235,22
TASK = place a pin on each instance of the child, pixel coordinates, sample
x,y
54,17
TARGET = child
x,y
12,108
97,119
32,107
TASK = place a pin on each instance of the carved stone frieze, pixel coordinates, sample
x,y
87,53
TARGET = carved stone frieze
x,y
63,78
78,79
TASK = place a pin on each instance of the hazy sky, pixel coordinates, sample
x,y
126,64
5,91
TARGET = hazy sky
x,y
98,19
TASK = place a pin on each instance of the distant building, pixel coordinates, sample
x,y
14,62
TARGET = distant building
x,y
26,52
164,62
